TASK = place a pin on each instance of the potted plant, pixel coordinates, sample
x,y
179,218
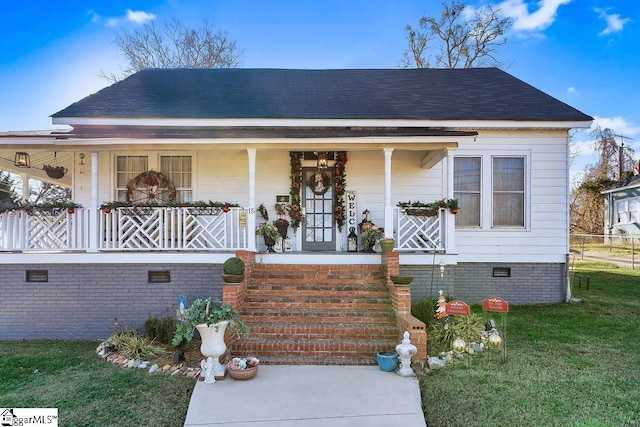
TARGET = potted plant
x,y
387,244
387,360
270,233
210,317
55,172
452,204
370,237
233,270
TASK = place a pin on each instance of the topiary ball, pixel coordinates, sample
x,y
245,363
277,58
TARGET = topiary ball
x,y
234,266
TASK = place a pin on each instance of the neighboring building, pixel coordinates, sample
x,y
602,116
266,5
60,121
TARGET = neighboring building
x,y
495,143
622,206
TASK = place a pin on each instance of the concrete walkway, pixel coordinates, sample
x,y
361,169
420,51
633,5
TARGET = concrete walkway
x,y
306,396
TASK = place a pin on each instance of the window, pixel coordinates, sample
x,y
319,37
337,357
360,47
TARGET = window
x,y
627,211
177,168
508,192
466,188
127,168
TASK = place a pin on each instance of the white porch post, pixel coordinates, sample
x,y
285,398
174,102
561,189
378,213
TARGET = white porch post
x,y
93,209
25,186
251,211
450,230
388,209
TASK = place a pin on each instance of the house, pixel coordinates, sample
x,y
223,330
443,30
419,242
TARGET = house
x,y
330,145
622,206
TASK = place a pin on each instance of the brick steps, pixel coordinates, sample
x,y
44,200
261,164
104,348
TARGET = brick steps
x,y
329,314
308,352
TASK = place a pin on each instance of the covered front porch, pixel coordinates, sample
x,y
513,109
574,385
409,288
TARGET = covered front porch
x,y
382,172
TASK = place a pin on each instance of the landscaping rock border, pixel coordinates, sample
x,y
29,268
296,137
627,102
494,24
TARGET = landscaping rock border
x,y
105,351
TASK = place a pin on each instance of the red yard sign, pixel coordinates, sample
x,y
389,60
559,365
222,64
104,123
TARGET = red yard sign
x,y
495,304
457,308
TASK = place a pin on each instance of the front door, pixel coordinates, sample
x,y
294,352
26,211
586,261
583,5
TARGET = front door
x,y
318,231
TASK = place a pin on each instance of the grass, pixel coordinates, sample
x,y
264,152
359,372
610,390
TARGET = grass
x,y
86,390
567,364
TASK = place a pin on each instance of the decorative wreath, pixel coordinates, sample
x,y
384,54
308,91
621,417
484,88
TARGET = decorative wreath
x,y
152,184
314,183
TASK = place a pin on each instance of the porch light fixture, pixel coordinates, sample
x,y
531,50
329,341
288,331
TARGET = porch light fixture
x,y
322,159
22,160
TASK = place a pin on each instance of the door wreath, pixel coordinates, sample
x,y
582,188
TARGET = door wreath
x,y
319,183
152,186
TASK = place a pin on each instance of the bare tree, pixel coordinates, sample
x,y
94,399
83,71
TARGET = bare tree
x,y
46,192
175,46
462,37
615,163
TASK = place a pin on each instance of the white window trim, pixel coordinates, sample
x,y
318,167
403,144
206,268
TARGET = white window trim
x,y
154,163
486,189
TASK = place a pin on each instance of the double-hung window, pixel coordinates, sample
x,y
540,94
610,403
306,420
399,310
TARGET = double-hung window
x,y
177,168
508,192
467,184
627,211
490,197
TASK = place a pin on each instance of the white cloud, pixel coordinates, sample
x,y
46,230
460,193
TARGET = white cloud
x,y
135,16
618,125
572,90
531,21
139,16
614,22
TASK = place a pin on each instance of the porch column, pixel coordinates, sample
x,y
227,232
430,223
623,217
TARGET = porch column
x,y
450,230
388,209
25,186
93,209
251,211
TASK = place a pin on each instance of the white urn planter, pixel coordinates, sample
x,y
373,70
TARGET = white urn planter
x,y
213,344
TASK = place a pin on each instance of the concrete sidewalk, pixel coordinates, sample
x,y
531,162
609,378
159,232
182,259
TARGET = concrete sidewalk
x,y
309,396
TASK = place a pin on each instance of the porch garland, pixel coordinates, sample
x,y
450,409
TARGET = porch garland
x,y
341,186
295,212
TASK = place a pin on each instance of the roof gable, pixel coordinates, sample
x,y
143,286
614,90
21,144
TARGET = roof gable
x,y
414,94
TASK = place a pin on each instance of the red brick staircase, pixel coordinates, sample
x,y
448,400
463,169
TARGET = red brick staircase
x,y
317,314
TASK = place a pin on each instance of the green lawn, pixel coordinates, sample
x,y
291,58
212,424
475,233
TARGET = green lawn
x,y
86,390
567,364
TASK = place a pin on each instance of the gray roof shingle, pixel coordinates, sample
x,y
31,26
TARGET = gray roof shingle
x,y
415,94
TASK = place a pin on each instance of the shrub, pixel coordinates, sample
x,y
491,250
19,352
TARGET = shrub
x,y
424,310
233,265
442,332
161,330
133,345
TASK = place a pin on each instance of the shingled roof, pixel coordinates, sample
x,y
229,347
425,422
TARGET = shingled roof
x,y
415,94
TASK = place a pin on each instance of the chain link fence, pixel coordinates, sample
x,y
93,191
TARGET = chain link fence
x,y
620,249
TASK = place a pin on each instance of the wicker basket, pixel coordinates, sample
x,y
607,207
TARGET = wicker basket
x,y
243,374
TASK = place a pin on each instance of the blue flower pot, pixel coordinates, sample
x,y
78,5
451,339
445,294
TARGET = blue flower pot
x,y
387,361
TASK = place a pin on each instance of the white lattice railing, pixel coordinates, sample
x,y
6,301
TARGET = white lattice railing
x,y
419,233
48,230
125,229
143,229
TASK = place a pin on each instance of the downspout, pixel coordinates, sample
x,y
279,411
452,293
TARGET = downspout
x,y
568,223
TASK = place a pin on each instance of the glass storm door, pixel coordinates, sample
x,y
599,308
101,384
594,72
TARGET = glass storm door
x,y
318,232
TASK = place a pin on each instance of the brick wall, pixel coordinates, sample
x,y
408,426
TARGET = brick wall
x,y
82,301
471,282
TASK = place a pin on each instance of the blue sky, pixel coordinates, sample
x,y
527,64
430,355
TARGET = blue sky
x,y
583,52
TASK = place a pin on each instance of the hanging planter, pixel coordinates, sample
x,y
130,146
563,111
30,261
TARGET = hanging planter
x,y
54,172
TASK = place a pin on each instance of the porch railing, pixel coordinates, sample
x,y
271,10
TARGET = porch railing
x,y
125,229
50,230
171,229
419,232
